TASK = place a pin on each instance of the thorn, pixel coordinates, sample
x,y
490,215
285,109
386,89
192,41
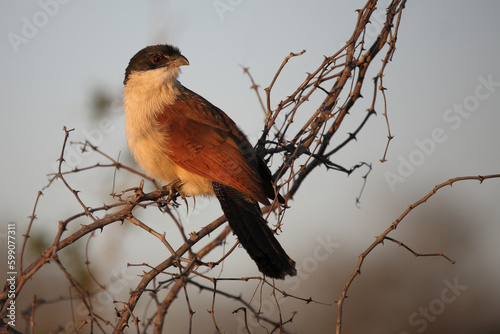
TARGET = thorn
x,y
193,236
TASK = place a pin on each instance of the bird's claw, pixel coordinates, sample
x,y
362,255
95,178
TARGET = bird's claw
x,y
174,191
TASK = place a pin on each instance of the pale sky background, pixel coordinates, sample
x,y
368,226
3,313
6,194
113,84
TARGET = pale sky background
x,y
446,51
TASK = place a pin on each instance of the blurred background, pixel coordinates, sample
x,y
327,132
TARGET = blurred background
x,y
63,64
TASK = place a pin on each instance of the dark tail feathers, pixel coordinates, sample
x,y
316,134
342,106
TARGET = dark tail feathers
x,y
246,221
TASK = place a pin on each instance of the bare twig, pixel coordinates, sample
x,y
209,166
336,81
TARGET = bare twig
x,y
418,254
380,239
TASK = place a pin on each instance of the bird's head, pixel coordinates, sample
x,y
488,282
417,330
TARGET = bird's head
x,y
159,61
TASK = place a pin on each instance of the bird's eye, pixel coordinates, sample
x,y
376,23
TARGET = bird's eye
x,y
156,59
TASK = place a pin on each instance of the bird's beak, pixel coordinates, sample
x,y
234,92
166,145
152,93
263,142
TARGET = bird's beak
x,y
180,61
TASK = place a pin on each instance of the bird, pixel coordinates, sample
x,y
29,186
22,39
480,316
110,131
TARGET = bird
x,y
181,139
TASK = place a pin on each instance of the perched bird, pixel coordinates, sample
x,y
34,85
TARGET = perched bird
x,y
180,138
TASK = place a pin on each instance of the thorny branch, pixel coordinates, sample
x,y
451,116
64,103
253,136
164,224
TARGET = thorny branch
x,y
380,239
298,147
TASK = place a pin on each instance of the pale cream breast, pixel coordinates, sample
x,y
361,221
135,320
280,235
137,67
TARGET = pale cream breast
x,y
148,141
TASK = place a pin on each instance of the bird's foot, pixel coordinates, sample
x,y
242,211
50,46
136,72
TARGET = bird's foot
x,y
175,191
